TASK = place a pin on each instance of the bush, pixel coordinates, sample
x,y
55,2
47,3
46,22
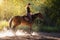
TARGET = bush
x,y
26,28
3,24
49,29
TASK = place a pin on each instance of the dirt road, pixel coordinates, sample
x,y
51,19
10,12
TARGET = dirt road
x,y
41,36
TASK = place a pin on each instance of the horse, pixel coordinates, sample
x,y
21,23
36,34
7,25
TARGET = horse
x,y
24,20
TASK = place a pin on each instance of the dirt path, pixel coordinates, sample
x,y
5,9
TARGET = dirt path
x,y
41,36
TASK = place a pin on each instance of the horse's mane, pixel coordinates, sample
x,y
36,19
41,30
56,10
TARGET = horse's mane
x,y
32,14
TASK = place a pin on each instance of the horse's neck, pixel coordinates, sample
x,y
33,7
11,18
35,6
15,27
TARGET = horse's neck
x,y
34,17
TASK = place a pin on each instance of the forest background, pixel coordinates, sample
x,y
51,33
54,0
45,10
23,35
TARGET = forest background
x,y
50,9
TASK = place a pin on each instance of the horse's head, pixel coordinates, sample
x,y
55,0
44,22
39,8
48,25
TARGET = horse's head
x,y
39,15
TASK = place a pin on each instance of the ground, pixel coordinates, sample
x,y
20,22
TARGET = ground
x,y
41,36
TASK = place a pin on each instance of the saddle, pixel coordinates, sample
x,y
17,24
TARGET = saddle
x,y
27,19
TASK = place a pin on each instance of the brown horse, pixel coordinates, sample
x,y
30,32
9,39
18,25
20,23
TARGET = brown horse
x,y
24,20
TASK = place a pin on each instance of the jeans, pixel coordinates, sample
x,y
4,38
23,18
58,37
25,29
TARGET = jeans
x,y
29,17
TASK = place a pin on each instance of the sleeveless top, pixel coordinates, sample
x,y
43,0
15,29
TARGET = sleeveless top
x,y
28,10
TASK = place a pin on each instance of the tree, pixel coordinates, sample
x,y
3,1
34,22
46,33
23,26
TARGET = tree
x,y
52,11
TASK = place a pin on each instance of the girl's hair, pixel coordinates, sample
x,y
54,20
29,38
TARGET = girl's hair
x,y
29,4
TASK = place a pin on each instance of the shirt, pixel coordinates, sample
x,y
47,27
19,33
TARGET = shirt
x,y
28,10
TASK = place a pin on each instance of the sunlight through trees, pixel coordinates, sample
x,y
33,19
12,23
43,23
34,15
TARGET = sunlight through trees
x,y
17,7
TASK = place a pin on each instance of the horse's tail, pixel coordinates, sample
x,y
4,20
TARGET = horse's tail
x,y
10,22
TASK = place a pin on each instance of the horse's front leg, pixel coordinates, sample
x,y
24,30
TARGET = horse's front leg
x,y
30,28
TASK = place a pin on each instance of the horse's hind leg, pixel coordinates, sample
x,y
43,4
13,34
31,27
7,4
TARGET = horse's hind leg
x,y
14,28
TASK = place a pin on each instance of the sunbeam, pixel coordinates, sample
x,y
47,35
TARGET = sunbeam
x,y
1,1
10,33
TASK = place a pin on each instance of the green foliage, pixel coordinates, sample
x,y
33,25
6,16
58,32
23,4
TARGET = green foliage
x,y
35,28
25,28
3,24
49,29
52,12
49,8
18,7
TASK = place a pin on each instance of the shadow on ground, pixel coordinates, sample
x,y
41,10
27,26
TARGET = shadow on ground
x,y
27,38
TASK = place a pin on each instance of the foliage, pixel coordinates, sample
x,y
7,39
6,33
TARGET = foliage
x,y
25,28
3,24
52,12
11,8
49,8
49,29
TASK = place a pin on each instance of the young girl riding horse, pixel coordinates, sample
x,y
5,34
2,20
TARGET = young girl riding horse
x,y
17,20
28,12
